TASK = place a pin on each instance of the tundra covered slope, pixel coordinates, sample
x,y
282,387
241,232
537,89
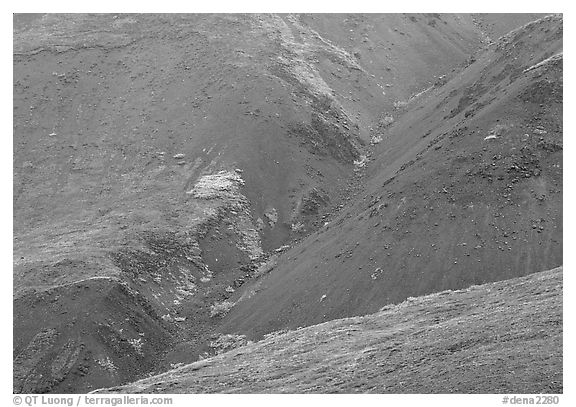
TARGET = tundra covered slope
x,y
503,337
465,187
158,158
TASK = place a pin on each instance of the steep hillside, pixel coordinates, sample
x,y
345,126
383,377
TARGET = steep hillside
x,y
464,188
503,337
161,161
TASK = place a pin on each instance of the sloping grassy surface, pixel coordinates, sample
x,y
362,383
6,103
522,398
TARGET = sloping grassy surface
x,y
503,337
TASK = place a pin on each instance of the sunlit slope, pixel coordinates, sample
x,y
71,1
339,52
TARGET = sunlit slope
x,y
503,337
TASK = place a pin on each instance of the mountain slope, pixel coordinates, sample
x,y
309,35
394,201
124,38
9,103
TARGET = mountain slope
x,y
464,188
503,337
160,159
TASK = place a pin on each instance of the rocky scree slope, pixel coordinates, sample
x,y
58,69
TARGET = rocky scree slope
x,y
464,188
503,337
157,158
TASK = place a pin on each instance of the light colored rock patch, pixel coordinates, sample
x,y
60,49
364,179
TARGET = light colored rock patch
x,y
223,184
297,227
272,216
376,139
219,195
107,364
361,162
259,224
300,56
137,345
250,238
